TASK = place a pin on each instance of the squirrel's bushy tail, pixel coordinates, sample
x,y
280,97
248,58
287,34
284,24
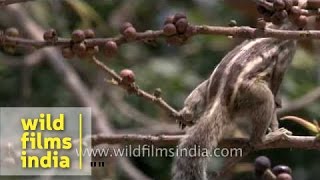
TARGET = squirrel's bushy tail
x,y
203,136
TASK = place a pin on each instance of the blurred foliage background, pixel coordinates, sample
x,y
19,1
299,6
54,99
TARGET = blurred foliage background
x,y
176,70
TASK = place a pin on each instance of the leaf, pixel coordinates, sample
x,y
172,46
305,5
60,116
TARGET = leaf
x,y
311,126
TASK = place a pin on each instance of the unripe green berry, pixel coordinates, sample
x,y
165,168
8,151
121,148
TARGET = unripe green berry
x,y
232,23
12,32
157,93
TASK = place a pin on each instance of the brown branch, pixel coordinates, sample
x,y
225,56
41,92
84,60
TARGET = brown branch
x,y
249,32
298,142
240,31
134,89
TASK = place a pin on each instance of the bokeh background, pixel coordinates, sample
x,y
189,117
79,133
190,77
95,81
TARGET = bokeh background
x,y
176,70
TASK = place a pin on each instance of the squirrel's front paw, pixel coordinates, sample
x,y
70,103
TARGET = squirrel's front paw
x,y
276,135
185,118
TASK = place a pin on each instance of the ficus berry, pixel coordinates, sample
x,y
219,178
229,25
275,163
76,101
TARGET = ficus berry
x,y
127,76
110,48
77,36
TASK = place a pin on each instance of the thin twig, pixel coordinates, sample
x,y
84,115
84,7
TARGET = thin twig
x,y
133,89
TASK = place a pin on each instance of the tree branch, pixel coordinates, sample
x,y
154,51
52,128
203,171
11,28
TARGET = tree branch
x,y
134,89
240,32
298,142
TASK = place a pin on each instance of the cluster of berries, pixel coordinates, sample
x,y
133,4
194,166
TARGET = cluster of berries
x,y
79,47
177,29
263,170
281,10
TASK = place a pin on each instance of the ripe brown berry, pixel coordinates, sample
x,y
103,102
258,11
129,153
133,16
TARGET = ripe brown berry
x,y
12,32
79,48
169,20
89,33
281,169
178,16
301,21
50,35
77,36
124,26
284,176
127,76
279,5
182,25
67,53
169,29
130,33
261,164
111,48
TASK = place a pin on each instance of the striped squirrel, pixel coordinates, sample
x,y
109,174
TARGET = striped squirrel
x,y
244,84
